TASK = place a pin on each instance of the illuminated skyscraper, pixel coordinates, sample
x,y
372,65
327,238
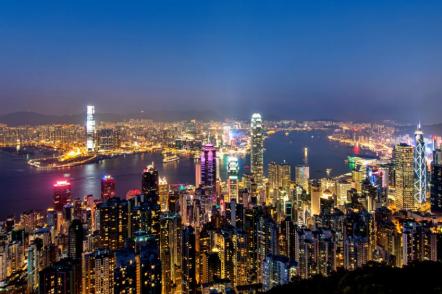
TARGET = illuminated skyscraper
x,y
113,220
62,194
107,187
197,172
232,171
257,148
420,168
403,158
90,128
188,260
151,190
436,181
208,166
163,193
279,176
98,272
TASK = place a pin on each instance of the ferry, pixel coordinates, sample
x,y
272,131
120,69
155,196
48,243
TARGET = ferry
x,y
170,158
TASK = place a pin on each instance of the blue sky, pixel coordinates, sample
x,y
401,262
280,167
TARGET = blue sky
x,y
364,60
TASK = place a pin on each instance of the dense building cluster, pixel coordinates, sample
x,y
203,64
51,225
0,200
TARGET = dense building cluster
x,y
244,234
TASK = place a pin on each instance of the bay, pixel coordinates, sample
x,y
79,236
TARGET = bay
x,y
23,187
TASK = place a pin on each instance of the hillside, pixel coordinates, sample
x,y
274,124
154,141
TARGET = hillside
x,y
423,277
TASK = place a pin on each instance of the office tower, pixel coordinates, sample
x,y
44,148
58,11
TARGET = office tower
x,y
90,128
98,272
403,158
420,168
279,176
342,187
62,194
197,172
188,260
164,194
436,181
75,240
107,187
60,278
302,176
208,166
170,252
149,183
150,189
113,223
315,198
232,177
257,148
108,139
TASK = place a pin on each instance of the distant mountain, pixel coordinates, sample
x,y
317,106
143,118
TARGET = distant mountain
x,y
435,129
33,118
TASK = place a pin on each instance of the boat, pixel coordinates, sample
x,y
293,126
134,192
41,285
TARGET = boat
x,y
170,158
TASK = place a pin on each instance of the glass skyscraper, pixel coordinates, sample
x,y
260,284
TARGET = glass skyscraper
x,y
257,148
420,168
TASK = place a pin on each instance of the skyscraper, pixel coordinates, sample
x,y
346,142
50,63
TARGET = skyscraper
x,y
188,260
208,166
232,172
151,190
436,181
113,220
107,187
420,168
150,183
62,194
75,240
90,128
98,272
257,148
403,158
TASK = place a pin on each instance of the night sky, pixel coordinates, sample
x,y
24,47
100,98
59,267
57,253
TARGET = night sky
x,y
364,60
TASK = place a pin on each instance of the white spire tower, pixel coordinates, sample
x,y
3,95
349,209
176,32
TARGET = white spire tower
x,y
420,168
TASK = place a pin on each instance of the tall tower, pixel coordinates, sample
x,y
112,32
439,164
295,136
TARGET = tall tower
x,y
257,148
420,168
403,158
62,194
150,188
208,166
150,184
107,187
75,240
232,173
90,128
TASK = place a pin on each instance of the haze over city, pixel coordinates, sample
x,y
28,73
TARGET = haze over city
x,y
293,59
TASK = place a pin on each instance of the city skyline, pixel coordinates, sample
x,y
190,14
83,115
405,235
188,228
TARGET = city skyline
x,y
220,147
289,59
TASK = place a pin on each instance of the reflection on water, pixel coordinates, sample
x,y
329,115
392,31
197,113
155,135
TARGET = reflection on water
x,y
23,187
